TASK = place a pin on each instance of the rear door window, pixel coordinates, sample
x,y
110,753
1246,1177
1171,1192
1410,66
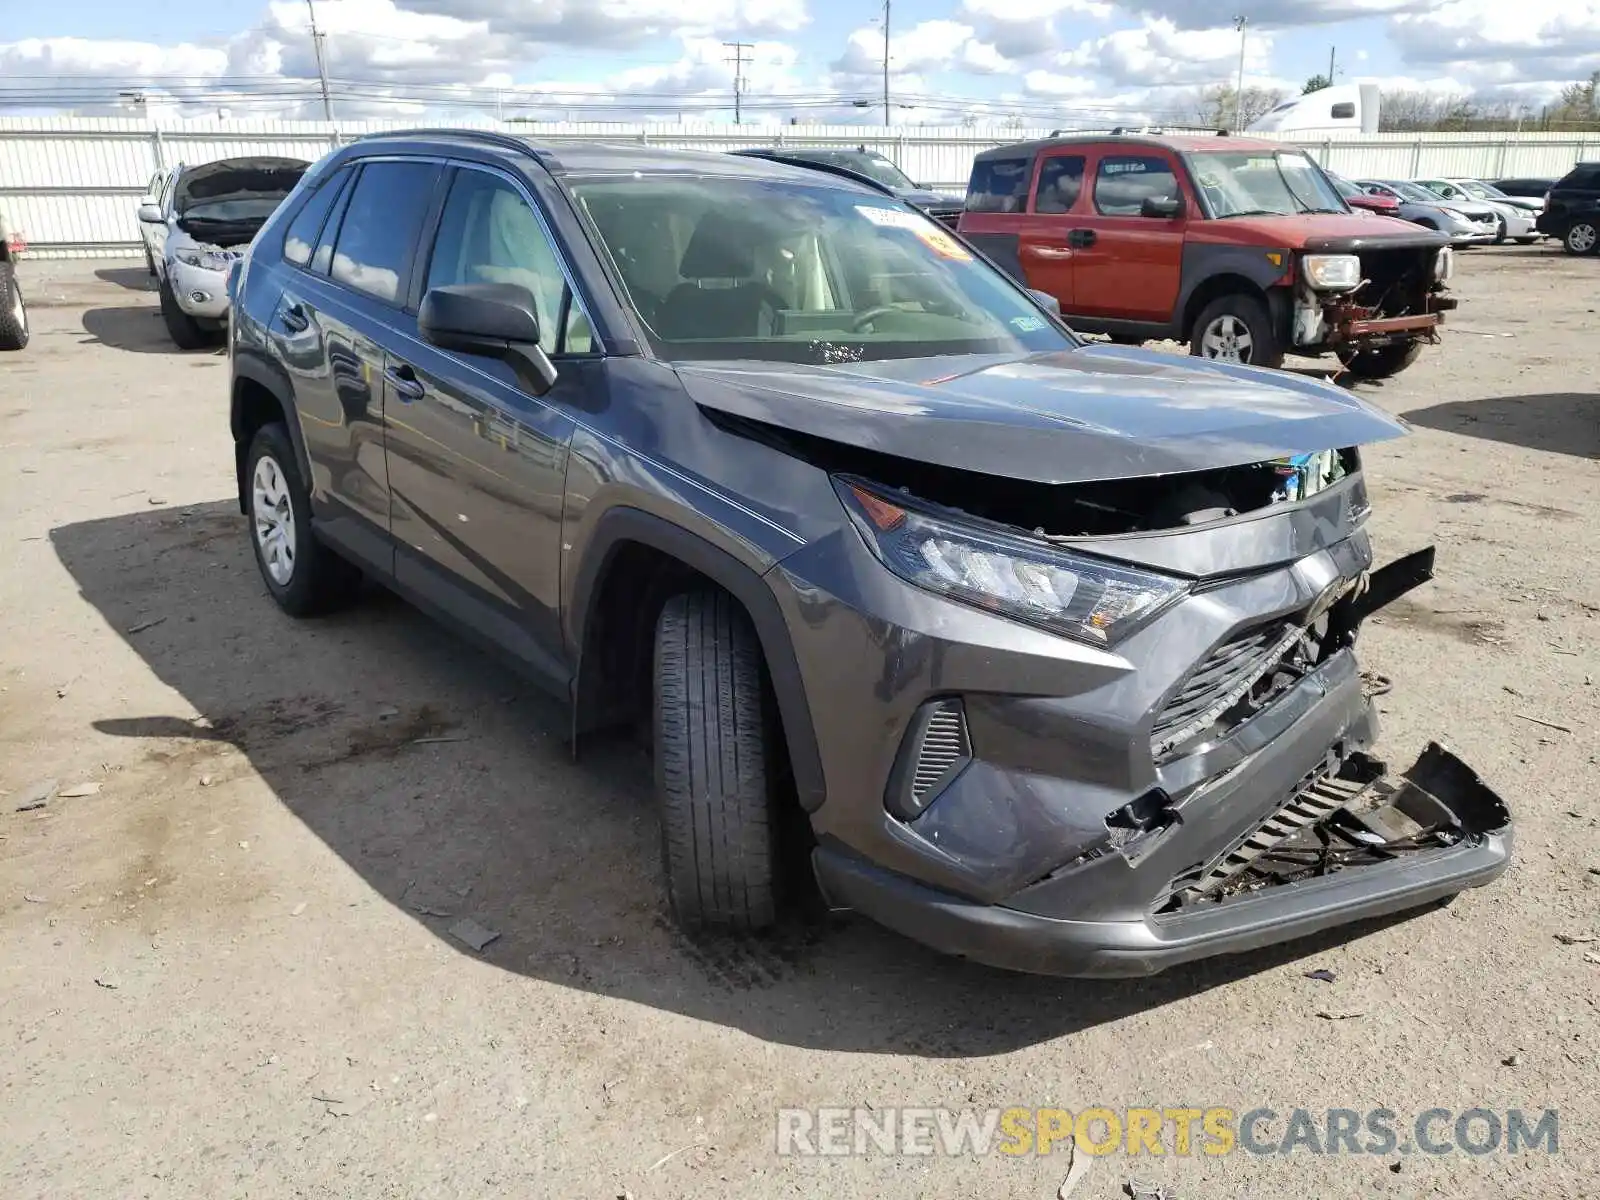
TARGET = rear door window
x,y
301,238
382,223
1060,183
999,185
1123,182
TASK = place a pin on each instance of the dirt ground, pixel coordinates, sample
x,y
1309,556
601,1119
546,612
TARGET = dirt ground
x,y
227,971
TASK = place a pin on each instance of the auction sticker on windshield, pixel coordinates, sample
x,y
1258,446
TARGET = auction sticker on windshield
x,y
934,237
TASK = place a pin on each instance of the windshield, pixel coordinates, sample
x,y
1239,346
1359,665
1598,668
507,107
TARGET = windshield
x,y
721,268
1239,183
1411,191
1482,191
873,166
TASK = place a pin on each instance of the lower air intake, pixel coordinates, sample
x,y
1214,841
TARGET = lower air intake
x,y
935,750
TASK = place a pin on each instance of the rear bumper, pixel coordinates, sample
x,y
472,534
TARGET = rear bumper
x,y
1007,937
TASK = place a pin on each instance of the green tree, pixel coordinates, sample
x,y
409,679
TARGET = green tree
x,y
1315,84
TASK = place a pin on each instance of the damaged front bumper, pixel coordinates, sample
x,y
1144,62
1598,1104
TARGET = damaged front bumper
x,y
1346,847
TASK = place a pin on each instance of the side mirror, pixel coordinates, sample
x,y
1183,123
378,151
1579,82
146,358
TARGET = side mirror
x,y
1046,301
497,320
1162,208
149,212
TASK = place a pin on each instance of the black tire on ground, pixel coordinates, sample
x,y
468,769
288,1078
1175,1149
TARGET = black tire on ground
x,y
318,580
1500,231
1528,241
13,310
1582,237
183,329
716,758
1230,315
1382,363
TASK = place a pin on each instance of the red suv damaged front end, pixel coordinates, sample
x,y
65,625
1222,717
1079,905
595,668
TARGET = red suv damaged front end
x,y
1245,249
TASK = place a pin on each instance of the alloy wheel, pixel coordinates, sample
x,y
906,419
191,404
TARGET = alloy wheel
x,y
1581,238
1228,339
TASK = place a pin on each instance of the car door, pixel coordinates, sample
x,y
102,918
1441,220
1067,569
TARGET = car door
x,y
1127,266
1044,235
334,320
477,465
160,229
152,195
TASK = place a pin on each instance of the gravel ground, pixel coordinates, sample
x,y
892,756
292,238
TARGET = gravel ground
x,y
229,971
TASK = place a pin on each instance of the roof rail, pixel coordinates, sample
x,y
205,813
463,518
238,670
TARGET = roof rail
x,y
507,140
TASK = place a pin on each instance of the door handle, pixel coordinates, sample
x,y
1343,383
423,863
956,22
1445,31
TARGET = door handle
x,y
1081,238
403,380
1050,253
294,319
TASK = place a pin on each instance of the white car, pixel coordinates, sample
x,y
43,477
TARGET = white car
x,y
13,311
1517,213
194,227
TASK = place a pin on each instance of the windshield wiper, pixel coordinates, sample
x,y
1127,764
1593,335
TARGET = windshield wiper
x,y
1254,212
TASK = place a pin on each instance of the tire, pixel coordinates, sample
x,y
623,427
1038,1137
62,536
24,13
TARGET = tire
x,y
302,575
1382,363
1500,231
716,756
1527,241
1582,237
1240,323
13,310
149,261
183,329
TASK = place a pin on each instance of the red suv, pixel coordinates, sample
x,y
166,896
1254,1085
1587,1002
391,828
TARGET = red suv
x,y
1242,248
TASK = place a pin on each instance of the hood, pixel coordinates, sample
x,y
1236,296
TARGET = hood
x,y
237,179
1072,416
1296,231
923,198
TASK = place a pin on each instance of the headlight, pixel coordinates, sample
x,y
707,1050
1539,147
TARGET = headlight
x,y
1444,265
1333,272
206,259
1072,594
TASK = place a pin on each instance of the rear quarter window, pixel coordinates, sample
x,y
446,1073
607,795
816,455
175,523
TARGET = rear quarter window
x,y
999,185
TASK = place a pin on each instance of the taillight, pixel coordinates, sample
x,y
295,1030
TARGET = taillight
x,y
16,243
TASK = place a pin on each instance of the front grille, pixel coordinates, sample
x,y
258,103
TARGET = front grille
x,y
944,744
1219,683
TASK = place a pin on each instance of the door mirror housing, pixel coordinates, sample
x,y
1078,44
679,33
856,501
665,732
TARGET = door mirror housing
x,y
1162,208
1046,301
150,212
497,320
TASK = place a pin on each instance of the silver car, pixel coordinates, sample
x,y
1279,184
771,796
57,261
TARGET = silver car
x,y
197,224
1517,213
1466,224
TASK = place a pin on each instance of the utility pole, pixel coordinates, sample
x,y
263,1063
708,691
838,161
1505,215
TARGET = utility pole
x,y
1239,23
886,63
738,58
1332,51
322,71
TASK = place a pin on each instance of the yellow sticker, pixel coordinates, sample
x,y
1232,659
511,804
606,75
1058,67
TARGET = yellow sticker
x,y
934,236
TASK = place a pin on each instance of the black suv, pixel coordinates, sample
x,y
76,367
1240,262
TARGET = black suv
x,y
1572,210
940,206
1040,650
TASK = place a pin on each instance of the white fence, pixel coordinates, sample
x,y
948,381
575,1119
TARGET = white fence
x,y
71,184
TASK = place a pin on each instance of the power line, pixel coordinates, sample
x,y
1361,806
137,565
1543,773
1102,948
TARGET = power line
x,y
738,58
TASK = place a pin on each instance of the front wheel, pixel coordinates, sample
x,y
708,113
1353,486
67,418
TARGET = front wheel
x,y
1381,363
183,329
1236,329
716,762
302,575
1582,238
13,311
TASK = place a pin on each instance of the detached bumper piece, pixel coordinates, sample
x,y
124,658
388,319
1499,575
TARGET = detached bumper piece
x,y
1358,819
1348,846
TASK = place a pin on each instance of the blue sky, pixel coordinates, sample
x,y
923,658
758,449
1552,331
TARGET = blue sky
x,y
978,59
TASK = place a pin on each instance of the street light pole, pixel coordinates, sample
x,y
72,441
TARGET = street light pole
x,y
886,63
1239,23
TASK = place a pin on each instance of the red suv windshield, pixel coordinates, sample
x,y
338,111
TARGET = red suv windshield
x,y
1240,183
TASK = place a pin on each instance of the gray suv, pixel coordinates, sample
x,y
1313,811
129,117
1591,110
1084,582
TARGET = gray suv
x,y
1037,651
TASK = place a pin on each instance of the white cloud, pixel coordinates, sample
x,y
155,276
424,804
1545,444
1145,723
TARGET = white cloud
x,y
1159,54
1490,44
1270,14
